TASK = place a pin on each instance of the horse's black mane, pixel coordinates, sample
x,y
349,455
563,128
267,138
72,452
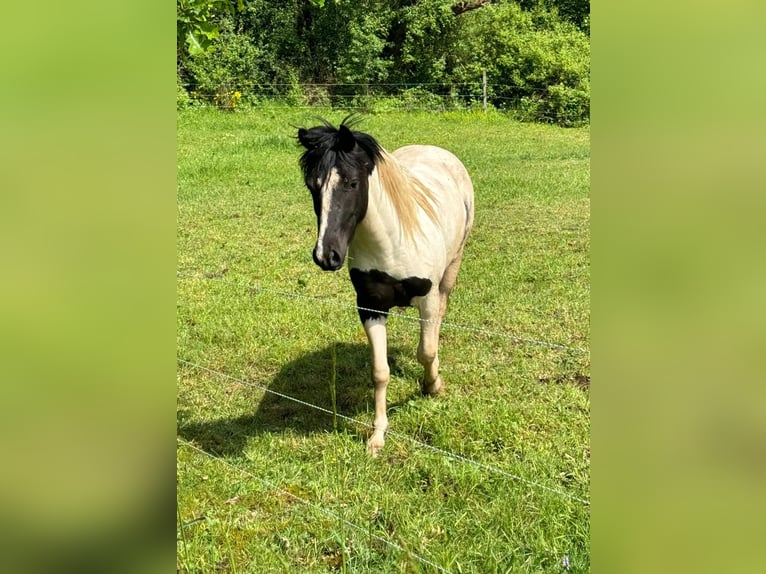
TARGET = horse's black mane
x,y
326,144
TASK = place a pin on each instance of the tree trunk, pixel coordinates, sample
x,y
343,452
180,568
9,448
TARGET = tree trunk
x,y
463,7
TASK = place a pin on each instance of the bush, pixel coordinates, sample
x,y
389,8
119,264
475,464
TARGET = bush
x,y
535,64
420,98
231,66
183,100
566,106
360,54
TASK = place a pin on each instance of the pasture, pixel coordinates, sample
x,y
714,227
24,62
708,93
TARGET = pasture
x,y
492,477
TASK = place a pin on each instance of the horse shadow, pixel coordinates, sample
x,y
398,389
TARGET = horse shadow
x,y
292,397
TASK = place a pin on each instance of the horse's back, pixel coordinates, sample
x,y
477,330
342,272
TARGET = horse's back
x,y
437,168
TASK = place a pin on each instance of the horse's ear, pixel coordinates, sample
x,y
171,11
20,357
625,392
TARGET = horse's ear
x,y
303,138
346,139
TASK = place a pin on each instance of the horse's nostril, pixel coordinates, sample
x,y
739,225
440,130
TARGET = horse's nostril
x,y
331,259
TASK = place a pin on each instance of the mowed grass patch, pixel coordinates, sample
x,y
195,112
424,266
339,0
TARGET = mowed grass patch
x,y
295,490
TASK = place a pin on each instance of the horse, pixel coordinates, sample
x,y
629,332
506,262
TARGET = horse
x,y
403,219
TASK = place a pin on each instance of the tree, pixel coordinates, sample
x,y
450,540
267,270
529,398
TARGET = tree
x,y
196,23
575,11
535,53
462,7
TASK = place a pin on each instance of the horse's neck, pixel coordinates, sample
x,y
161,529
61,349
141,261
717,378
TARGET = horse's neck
x,y
375,230
380,241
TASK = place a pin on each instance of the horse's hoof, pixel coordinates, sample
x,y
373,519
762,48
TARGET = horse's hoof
x,y
435,389
374,446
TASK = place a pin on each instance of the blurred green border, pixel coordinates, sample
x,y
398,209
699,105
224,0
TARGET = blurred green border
x,y
678,409
87,300
87,223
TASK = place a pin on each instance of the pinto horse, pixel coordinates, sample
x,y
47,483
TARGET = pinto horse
x,y
403,219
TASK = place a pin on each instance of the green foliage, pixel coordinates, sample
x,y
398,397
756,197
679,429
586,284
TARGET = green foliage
x,y
537,64
425,50
346,42
360,60
415,98
183,100
558,104
278,32
232,64
576,12
534,62
196,24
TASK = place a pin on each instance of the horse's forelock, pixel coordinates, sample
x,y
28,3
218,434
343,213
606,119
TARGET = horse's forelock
x,y
324,148
370,146
319,142
317,162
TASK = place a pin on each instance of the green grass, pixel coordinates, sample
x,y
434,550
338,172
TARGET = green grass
x,y
244,219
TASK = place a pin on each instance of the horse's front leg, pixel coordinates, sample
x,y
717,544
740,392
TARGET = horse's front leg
x,y
376,334
431,310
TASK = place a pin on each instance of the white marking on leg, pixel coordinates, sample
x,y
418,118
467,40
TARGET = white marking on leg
x,y
428,348
376,334
327,189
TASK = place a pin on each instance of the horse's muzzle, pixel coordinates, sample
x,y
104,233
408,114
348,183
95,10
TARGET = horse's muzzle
x,y
331,259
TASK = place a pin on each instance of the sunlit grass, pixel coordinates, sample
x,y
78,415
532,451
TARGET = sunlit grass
x,y
244,220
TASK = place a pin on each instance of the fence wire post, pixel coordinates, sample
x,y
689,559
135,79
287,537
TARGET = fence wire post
x,y
484,88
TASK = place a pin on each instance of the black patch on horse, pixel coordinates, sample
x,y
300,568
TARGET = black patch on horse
x,y
378,292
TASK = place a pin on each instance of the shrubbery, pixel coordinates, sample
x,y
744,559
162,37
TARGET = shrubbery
x,y
183,100
537,64
233,65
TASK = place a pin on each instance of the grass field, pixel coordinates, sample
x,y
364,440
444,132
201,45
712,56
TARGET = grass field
x,y
266,484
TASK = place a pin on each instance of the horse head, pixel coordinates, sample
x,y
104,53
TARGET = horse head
x,y
337,165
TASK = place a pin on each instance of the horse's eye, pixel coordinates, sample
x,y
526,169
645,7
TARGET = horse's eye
x,y
350,183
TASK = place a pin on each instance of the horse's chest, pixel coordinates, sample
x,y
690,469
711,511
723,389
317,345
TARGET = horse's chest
x,y
377,292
